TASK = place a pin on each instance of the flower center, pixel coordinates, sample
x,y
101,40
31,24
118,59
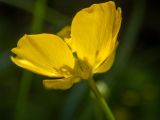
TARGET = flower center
x,y
66,71
83,69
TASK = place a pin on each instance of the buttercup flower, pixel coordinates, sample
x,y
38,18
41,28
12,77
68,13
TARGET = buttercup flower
x,y
65,61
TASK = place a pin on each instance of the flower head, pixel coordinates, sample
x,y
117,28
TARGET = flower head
x,y
90,49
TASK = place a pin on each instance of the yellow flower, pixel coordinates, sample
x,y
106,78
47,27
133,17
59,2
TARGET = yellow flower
x,y
90,49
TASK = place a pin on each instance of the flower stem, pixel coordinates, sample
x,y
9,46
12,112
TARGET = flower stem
x,y
21,105
100,99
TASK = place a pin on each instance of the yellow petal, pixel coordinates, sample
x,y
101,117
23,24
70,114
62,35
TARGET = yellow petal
x,y
30,66
92,32
44,54
106,64
65,32
65,83
117,24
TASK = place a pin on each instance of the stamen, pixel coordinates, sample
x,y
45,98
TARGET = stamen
x,y
66,71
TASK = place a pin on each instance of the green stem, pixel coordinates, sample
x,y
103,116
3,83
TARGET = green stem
x,y
38,16
22,96
37,23
100,99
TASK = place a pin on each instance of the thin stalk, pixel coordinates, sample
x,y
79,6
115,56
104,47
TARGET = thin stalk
x,y
100,99
21,105
37,23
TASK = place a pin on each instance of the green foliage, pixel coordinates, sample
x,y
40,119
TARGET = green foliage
x,y
133,82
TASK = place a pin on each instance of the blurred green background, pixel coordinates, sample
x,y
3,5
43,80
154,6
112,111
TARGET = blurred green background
x,y
131,86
